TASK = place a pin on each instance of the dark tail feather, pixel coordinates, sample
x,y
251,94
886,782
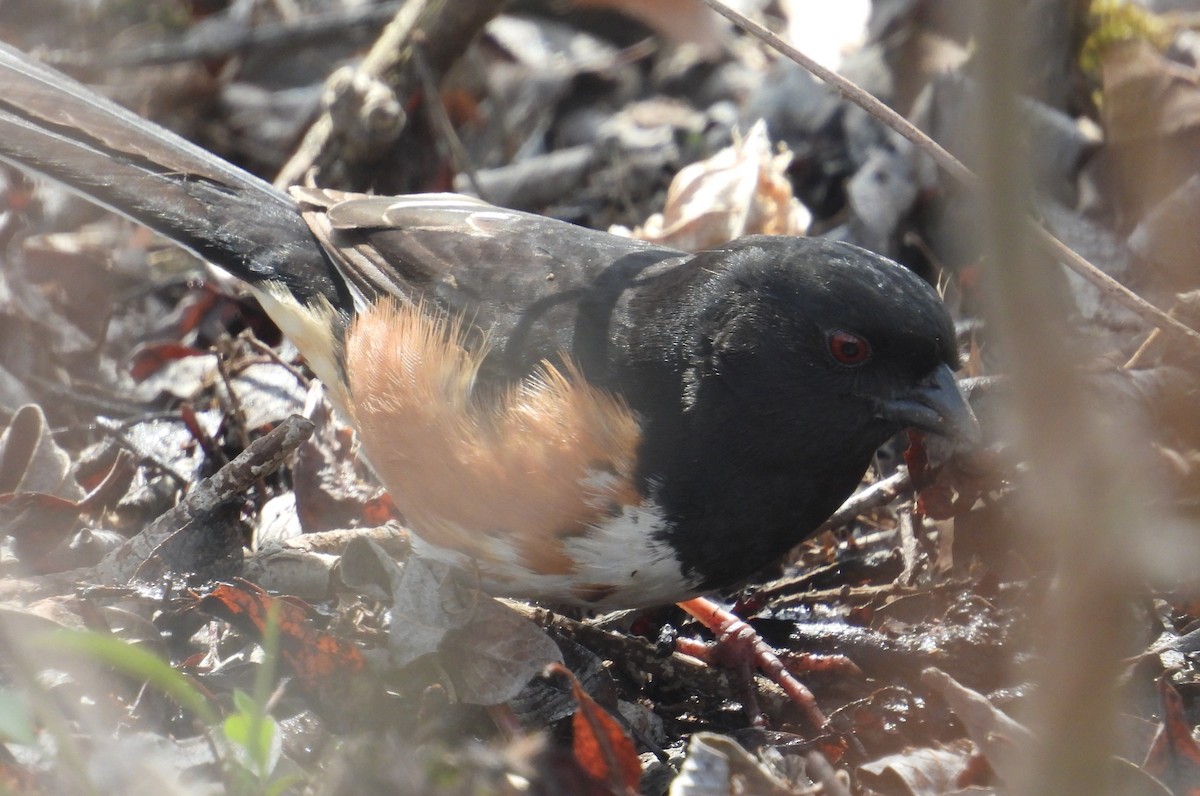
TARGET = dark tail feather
x,y
51,125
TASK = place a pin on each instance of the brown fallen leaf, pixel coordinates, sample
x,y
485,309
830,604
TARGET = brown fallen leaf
x,y
1174,756
1151,115
331,670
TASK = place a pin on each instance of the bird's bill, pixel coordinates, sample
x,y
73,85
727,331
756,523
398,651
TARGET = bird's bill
x,y
935,405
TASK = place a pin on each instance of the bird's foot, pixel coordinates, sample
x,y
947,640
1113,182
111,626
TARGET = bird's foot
x,y
738,646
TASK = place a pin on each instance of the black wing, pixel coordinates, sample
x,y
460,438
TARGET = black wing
x,y
536,287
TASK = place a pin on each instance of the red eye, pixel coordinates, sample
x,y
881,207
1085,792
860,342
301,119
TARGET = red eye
x,y
849,349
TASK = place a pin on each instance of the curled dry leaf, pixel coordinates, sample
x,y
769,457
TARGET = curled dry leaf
x,y
998,737
30,459
718,764
41,502
741,190
928,771
332,488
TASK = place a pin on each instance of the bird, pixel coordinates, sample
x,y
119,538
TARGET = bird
x,y
577,417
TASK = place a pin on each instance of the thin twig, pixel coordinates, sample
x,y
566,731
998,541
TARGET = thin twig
x,y
439,120
258,345
235,403
853,93
910,548
877,494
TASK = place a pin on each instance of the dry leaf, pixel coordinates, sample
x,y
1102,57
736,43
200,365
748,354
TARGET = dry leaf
x,y
1175,756
741,190
1147,95
717,764
675,20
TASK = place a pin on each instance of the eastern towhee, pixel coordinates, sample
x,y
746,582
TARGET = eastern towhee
x,y
578,417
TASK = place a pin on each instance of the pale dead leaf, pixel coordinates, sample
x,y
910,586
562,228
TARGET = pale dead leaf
x,y
677,21
998,737
488,650
1147,95
741,190
31,460
924,772
429,599
717,764
492,658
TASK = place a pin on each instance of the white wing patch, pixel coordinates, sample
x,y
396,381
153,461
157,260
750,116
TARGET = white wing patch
x,y
620,562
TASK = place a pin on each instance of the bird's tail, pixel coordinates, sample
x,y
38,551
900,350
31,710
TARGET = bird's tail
x,y
56,127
